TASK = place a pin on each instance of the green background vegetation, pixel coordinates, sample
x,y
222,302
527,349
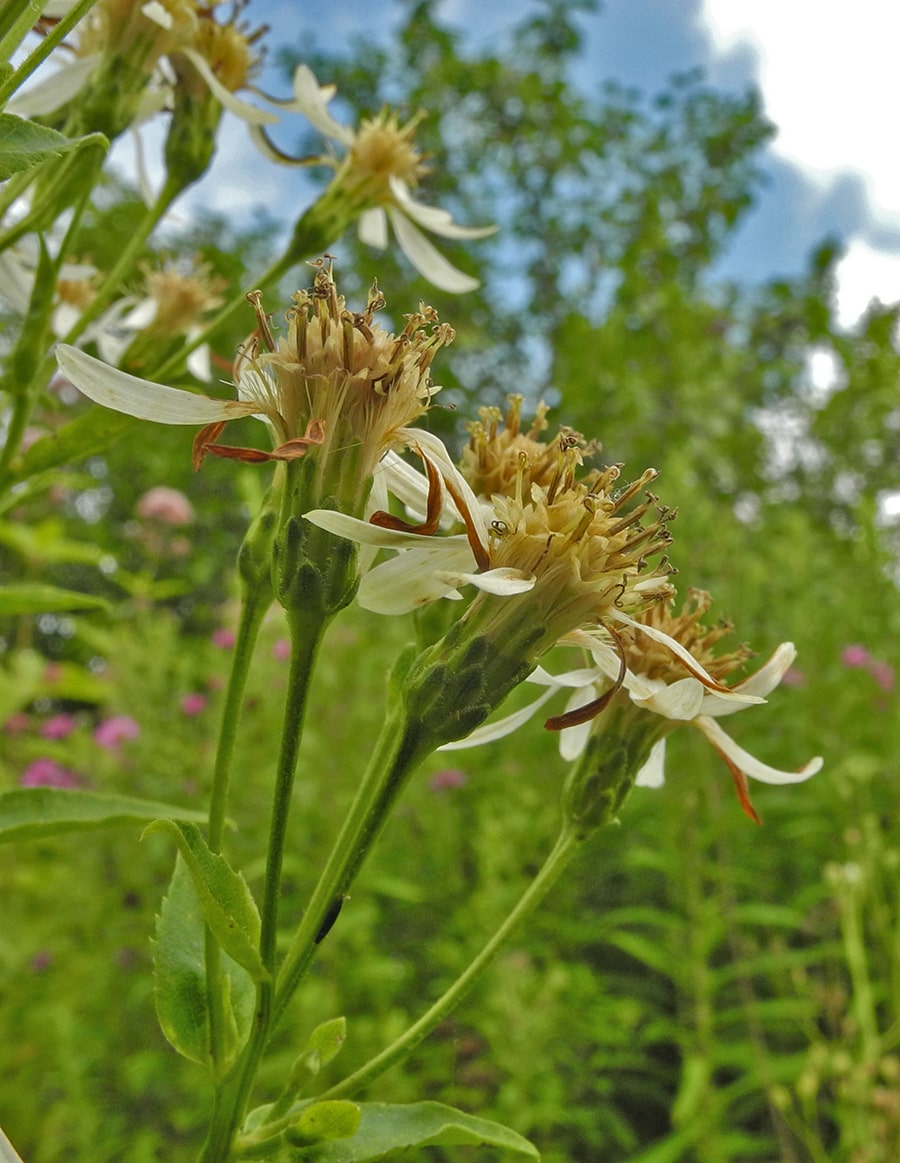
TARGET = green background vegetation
x,y
698,988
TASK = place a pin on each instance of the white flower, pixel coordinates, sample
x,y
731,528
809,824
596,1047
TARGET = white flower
x,y
683,692
577,546
380,168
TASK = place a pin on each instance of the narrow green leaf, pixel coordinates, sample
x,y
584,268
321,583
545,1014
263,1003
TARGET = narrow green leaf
x,y
24,145
180,977
40,599
227,903
30,812
385,1128
92,432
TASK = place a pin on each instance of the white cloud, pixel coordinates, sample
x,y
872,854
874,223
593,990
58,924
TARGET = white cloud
x,y
829,79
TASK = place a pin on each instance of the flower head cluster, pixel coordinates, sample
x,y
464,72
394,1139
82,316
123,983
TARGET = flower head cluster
x,y
374,180
118,77
337,382
574,548
657,671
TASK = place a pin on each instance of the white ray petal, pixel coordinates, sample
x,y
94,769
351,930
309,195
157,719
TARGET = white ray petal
x,y
679,700
372,228
747,763
501,727
364,533
433,218
56,90
738,696
653,773
141,398
573,740
252,114
503,581
427,260
311,99
404,583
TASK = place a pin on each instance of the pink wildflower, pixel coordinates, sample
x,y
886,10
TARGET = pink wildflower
x,y
883,673
47,773
193,704
854,655
58,727
17,722
223,638
793,676
41,961
112,732
165,505
281,649
447,778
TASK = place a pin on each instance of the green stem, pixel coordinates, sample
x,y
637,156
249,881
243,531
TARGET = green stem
x,y
16,19
47,44
565,848
111,283
397,753
231,1099
253,609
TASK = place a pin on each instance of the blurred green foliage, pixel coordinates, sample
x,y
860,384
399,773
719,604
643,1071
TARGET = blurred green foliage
x,y
698,989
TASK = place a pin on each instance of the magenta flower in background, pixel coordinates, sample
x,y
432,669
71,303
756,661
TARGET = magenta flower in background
x,y
111,733
42,960
854,655
165,505
447,778
17,723
793,676
48,773
883,673
193,704
58,727
223,638
281,649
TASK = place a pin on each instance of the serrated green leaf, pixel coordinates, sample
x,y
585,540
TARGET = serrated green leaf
x,y
24,145
385,1127
27,813
180,977
227,903
41,599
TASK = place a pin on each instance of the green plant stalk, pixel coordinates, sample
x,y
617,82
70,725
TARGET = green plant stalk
x,y
864,1006
126,261
16,19
397,753
24,403
253,609
231,1098
567,844
46,46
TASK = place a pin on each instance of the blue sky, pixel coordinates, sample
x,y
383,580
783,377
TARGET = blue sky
x,y
828,81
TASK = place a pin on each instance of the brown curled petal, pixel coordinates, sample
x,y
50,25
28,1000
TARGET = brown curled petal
x,y
590,710
741,787
205,438
580,714
249,455
432,513
479,551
